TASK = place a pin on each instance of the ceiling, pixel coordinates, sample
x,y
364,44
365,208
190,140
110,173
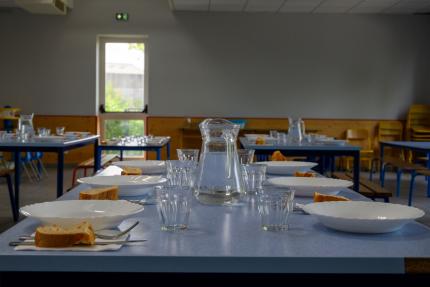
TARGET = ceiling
x,y
306,6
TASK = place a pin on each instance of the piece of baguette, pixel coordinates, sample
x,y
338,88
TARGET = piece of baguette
x,y
57,236
109,193
128,170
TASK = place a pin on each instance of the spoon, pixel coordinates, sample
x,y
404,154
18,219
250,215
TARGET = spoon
x,y
102,234
114,234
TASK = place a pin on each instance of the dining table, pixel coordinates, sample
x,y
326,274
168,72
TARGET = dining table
x,y
33,145
227,240
154,144
323,151
423,147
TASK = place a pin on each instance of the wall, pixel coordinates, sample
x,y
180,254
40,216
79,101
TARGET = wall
x,y
222,64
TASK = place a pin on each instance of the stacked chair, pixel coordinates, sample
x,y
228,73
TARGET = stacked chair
x,y
387,131
360,137
418,123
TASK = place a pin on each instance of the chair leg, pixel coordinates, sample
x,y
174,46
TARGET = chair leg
x,y
24,165
12,198
372,169
34,171
382,175
75,170
428,186
399,181
43,167
411,187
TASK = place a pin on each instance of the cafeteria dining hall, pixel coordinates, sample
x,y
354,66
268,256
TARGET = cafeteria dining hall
x,y
215,142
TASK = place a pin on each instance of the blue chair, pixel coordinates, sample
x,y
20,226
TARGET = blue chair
x,y
424,172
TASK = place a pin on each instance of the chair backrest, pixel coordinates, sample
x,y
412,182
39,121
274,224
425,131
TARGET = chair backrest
x,y
358,137
418,116
390,131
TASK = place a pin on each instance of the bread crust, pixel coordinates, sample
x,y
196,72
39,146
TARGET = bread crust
x,y
128,170
57,236
107,193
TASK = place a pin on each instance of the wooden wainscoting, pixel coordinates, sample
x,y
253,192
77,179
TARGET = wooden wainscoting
x,y
71,123
185,133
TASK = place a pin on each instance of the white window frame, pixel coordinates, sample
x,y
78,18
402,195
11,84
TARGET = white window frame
x,y
101,80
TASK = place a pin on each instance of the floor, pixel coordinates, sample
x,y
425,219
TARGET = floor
x,y
45,190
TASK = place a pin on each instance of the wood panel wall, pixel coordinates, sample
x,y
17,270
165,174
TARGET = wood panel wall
x,y
185,134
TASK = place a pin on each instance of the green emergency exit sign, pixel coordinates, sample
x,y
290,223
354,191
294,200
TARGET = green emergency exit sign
x,y
121,16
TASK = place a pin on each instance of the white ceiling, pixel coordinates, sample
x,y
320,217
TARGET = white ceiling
x,y
306,6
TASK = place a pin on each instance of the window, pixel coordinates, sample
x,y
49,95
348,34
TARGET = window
x,y
122,87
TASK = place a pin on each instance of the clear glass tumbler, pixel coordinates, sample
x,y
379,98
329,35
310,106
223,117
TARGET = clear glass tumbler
x,y
181,172
60,131
188,154
274,206
174,206
253,177
246,156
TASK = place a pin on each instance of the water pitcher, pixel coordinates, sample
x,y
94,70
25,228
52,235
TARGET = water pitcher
x,y
296,131
219,175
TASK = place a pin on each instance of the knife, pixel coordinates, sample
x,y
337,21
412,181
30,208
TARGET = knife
x,y
31,243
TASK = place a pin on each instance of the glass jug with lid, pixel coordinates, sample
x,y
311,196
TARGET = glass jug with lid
x,y
25,124
219,175
296,131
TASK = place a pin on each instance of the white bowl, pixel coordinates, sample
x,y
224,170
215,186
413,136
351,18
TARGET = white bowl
x,y
307,186
287,167
100,213
363,216
147,166
129,185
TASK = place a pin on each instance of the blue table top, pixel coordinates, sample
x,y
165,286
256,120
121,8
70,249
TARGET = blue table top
x,y
229,239
31,143
408,144
248,145
156,142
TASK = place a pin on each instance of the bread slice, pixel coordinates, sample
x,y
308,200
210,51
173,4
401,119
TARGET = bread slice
x,y
319,197
109,193
128,170
57,236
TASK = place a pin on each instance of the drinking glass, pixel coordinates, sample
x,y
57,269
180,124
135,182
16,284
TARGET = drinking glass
x,y
181,172
174,206
274,206
60,131
246,156
188,154
273,134
254,176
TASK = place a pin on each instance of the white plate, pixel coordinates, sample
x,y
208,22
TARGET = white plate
x,y
129,185
287,167
363,216
147,166
307,186
100,213
253,137
332,142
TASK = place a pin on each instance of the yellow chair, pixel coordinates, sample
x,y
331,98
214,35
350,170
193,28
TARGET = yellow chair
x,y
360,137
387,131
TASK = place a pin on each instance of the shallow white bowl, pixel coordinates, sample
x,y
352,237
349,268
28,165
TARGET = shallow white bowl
x,y
147,166
307,186
363,216
287,167
129,185
100,213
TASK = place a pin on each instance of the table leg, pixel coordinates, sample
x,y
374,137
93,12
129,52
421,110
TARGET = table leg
x,y
428,177
97,156
168,150
381,163
60,172
357,171
158,151
17,161
121,155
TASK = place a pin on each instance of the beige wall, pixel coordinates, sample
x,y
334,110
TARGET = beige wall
x,y
226,64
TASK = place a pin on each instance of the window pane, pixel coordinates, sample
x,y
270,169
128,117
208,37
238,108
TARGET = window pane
x,y
122,128
124,74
